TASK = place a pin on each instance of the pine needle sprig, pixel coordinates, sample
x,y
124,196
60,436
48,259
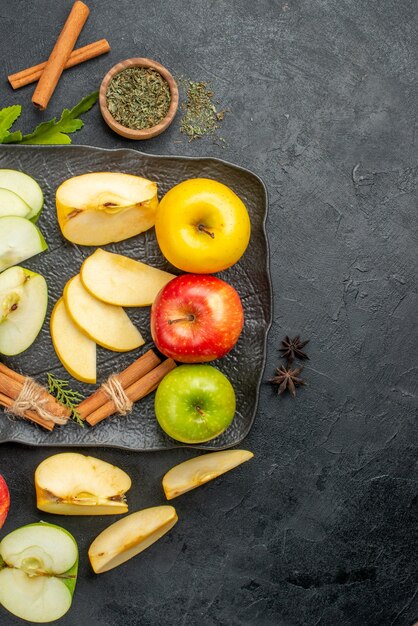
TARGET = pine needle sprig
x,y
66,396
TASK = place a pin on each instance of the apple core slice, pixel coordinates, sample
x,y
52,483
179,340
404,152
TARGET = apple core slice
x,y
12,204
74,349
38,572
19,240
119,280
23,305
74,484
129,536
104,207
25,187
106,324
200,470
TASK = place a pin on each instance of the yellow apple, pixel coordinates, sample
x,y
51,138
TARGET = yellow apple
x,y
129,536
74,349
202,226
119,280
74,484
104,207
200,470
105,324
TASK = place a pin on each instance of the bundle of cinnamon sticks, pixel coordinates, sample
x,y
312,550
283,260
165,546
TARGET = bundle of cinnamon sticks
x,y
62,57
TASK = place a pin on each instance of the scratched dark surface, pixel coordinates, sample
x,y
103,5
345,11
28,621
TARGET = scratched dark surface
x,y
321,527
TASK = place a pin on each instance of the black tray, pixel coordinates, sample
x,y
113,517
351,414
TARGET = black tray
x,y
244,366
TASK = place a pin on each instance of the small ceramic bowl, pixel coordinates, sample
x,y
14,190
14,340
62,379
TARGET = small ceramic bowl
x,y
145,133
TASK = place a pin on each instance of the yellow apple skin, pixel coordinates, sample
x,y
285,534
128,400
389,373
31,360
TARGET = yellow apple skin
x,y
202,226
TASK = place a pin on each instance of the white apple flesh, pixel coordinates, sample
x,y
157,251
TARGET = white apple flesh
x,y
12,204
25,187
38,572
106,324
75,350
119,280
200,470
23,305
129,536
19,240
74,484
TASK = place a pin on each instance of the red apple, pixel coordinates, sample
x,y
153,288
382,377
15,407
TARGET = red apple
x,y
4,500
196,318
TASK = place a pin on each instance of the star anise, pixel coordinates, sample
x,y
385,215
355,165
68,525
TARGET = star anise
x,y
288,379
292,348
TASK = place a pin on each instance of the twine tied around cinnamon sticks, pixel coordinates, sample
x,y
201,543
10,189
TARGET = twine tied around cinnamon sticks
x,y
32,397
115,391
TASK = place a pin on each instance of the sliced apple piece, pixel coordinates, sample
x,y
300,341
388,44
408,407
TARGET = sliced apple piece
x,y
38,572
106,324
74,484
104,207
23,304
119,280
12,204
74,349
19,240
26,187
129,536
200,470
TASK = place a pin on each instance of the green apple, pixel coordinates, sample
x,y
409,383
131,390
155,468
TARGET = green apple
x,y
23,304
25,187
12,204
195,403
19,240
38,572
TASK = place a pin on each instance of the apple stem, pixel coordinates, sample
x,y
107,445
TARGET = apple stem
x,y
202,229
187,318
199,410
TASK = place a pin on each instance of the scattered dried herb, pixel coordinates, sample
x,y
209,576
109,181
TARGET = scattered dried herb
x,y
66,396
287,378
138,97
200,115
292,348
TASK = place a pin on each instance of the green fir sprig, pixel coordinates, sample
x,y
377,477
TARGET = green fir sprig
x,y
66,396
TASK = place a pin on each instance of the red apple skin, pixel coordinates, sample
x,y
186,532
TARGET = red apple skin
x,y
196,318
4,500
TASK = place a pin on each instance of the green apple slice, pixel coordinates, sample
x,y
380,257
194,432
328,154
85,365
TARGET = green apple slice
x,y
23,305
25,187
12,204
38,572
19,240
119,280
129,536
106,324
200,470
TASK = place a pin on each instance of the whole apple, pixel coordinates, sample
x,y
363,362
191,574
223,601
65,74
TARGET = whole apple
x,y
196,318
202,226
4,500
195,403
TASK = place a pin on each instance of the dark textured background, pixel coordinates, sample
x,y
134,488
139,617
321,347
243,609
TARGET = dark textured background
x,y
321,527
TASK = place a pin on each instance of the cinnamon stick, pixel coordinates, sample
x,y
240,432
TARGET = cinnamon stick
x,y
60,54
135,392
32,74
135,371
30,415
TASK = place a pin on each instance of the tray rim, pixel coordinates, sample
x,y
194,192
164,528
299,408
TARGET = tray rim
x,y
179,445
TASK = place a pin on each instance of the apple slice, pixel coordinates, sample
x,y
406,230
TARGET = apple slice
x,y
104,207
25,187
74,349
106,324
38,572
12,204
19,240
117,279
200,470
74,484
23,305
129,536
